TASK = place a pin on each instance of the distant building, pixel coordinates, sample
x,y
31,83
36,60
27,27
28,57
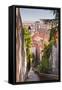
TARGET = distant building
x,y
38,40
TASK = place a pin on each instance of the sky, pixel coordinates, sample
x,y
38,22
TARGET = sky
x,y
35,14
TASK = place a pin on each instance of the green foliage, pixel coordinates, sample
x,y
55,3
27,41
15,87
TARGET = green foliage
x,y
28,43
52,32
44,65
27,37
47,49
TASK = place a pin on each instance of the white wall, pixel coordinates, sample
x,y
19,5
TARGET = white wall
x,y
4,44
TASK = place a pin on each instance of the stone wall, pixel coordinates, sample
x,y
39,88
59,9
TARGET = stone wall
x,y
19,48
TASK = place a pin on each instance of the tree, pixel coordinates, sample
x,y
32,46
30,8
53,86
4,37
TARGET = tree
x,y
28,46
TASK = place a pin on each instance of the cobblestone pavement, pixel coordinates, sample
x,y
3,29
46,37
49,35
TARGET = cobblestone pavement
x,y
32,76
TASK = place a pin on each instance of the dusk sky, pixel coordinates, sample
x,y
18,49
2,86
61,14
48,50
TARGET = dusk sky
x,y
36,14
